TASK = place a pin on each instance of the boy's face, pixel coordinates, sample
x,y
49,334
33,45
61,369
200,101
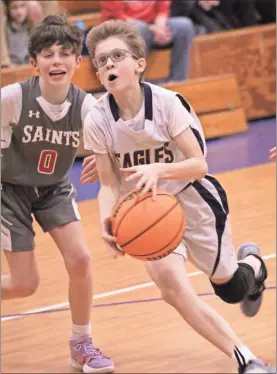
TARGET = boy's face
x,y
57,64
116,76
18,11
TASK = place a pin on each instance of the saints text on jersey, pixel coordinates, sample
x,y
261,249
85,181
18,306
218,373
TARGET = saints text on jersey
x,y
41,134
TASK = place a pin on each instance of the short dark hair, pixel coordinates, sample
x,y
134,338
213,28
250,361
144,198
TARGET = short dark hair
x,y
52,30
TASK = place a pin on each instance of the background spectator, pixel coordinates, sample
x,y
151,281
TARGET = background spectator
x,y
211,16
37,10
267,10
13,41
157,29
17,31
200,12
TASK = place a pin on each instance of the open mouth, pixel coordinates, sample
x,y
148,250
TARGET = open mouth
x,y
57,73
112,77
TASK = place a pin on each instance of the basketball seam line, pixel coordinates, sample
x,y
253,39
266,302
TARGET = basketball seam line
x,y
127,211
165,245
149,227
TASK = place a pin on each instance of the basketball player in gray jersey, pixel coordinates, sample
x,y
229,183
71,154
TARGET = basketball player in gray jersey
x,y
146,137
42,120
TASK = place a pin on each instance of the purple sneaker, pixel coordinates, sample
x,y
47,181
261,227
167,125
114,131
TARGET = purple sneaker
x,y
87,358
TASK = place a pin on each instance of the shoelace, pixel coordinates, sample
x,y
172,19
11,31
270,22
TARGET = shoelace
x,y
89,350
259,287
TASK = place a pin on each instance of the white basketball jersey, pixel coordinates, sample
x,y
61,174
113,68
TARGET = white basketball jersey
x,y
145,139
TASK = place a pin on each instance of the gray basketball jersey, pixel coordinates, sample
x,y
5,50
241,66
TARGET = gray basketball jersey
x,y
42,150
147,138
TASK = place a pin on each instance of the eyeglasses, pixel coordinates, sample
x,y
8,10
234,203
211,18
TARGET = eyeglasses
x,y
115,55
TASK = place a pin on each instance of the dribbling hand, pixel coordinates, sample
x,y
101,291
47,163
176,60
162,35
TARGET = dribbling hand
x,y
110,240
147,175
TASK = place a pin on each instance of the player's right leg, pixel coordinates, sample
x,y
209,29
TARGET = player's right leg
x,y
17,241
171,277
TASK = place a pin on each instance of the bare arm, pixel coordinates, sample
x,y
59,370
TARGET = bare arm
x,y
107,198
109,186
195,165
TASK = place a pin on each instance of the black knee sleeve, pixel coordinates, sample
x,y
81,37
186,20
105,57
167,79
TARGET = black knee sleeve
x,y
235,290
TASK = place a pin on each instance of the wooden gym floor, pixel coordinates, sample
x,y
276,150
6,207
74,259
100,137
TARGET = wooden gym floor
x,y
131,323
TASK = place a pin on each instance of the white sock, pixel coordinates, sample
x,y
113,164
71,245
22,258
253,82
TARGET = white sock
x,y
243,355
80,330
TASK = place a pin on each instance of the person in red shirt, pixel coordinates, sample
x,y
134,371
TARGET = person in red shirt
x,y
156,28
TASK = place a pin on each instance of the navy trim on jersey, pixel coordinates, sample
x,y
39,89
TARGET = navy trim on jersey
x,y
221,192
114,108
199,139
148,104
196,132
220,217
184,102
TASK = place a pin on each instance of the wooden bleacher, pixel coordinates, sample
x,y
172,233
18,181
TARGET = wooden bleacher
x,y
231,80
80,6
216,100
249,53
86,11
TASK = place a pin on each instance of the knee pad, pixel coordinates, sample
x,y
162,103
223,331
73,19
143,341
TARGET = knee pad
x,y
235,290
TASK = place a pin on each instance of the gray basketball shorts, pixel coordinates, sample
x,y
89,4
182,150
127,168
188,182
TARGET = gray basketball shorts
x,y
51,206
207,241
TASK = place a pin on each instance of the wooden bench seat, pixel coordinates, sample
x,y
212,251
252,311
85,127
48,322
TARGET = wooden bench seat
x,y
79,6
217,102
248,53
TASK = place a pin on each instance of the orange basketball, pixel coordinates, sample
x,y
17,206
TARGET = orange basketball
x,y
147,229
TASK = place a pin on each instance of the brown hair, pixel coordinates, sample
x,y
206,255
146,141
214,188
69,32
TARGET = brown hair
x,y
52,30
116,28
7,3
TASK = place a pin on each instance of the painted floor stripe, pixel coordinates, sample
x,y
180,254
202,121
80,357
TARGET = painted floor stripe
x,y
107,294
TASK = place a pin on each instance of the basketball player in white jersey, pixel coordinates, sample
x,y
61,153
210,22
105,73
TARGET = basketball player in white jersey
x,y
42,121
146,137
272,153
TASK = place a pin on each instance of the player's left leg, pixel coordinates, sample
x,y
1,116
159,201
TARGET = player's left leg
x,y
246,284
70,240
210,247
58,214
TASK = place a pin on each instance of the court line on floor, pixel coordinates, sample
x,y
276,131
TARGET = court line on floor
x,y
105,294
115,303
